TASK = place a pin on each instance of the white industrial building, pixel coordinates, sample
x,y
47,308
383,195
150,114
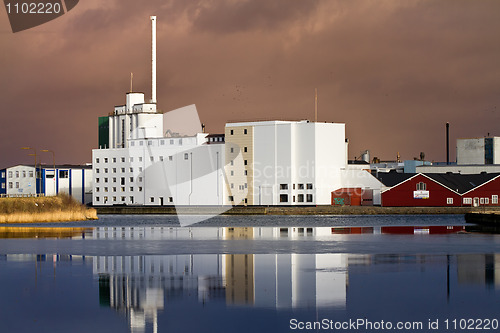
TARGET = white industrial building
x,y
147,157
478,151
21,180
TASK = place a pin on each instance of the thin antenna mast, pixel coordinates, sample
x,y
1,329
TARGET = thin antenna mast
x,y
315,105
153,59
131,79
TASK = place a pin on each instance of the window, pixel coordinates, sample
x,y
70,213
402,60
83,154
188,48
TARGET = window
x,y
246,185
97,189
161,158
170,158
486,201
152,159
232,173
300,186
140,188
140,158
105,180
300,198
17,174
10,184
152,199
97,160
132,143
283,197
3,185
494,199
449,201
171,142
140,169
310,186
162,142
232,162
246,172
283,187
122,181
114,179
245,162
31,174
114,170
123,170
131,169
24,173
421,186
63,174
123,199
309,198
10,174
96,180
150,142
96,198
231,198
114,198
245,131
131,189
114,189
131,179
232,150
481,201
140,179
232,185
105,160
17,184
170,199
232,132
132,199
186,156
123,159
105,189
114,159
245,149
131,159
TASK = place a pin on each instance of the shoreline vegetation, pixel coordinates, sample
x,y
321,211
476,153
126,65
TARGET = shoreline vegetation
x,y
290,210
60,208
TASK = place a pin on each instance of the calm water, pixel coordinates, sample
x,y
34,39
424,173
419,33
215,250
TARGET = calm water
x,y
250,274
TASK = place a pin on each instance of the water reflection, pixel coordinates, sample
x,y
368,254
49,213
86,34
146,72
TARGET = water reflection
x,y
247,233
44,232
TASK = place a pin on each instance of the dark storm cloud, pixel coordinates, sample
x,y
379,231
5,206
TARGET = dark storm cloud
x,y
227,16
393,71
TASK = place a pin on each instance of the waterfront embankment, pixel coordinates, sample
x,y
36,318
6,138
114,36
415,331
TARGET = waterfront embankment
x,y
60,208
282,210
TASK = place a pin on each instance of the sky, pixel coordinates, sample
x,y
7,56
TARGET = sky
x,y
393,71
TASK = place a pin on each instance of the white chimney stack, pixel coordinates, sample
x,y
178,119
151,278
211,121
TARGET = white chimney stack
x,y
153,59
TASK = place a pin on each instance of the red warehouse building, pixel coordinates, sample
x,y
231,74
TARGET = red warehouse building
x,y
439,190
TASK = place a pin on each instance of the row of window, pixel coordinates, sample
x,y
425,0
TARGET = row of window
x,y
284,187
114,179
245,150
123,199
245,172
131,159
18,174
114,189
162,142
300,198
245,131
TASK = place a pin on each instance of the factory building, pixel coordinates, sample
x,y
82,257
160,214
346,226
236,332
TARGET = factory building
x,y
21,180
284,162
148,157
440,190
478,151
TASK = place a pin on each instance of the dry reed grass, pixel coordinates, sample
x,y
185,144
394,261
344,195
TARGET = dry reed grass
x,y
44,209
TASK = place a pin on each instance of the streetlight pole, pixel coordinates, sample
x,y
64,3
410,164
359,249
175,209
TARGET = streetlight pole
x,y
54,162
34,154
